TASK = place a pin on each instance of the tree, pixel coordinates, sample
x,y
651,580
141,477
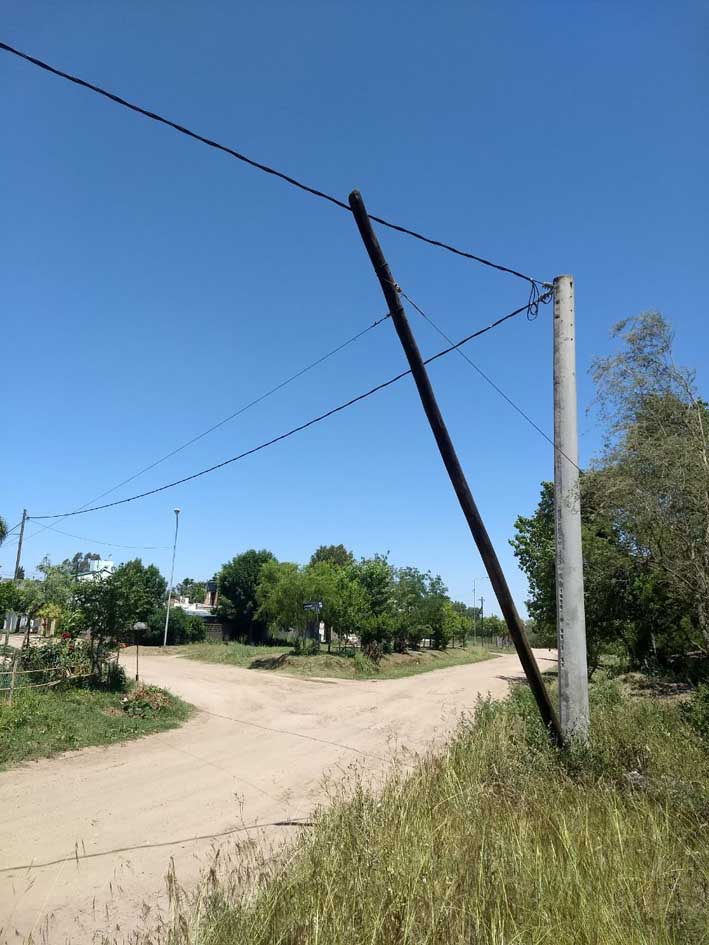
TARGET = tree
x,y
332,554
280,596
108,608
375,576
627,609
80,562
465,624
653,476
3,529
420,604
142,589
493,626
194,591
238,582
183,628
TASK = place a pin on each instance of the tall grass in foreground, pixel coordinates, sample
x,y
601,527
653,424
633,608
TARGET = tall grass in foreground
x,y
500,841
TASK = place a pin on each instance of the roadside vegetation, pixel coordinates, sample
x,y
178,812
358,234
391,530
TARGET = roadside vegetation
x,y
354,665
41,723
501,839
62,699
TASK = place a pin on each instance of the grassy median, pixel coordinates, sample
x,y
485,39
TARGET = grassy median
x,y
333,665
502,840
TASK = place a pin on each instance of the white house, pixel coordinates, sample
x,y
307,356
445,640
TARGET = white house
x,y
98,570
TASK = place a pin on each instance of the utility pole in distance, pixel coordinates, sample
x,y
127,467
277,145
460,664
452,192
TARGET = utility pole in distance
x,y
172,578
453,467
570,612
19,545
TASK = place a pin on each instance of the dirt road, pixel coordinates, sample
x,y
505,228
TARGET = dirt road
x,y
86,838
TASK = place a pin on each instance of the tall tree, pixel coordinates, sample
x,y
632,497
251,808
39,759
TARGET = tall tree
x,y
3,529
332,554
653,475
194,591
238,582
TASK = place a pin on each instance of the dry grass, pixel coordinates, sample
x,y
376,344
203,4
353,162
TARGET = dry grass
x,y
500,841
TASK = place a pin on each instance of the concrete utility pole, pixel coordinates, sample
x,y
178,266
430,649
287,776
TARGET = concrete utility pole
x,y
172,577
571,617
19,545
452,464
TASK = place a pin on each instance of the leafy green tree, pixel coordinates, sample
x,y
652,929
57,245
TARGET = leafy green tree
x,y
376,578
3,529
183,628
653,476
142,587
194,591
107,608
80,563
238,582
464,626
332,554
493,626
281,596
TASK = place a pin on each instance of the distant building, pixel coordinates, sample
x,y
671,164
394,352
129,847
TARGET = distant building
x,y
98,570
205,609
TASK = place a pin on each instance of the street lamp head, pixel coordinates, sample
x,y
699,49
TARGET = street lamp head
x,y
177,511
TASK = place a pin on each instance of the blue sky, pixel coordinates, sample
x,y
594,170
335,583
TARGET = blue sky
x,y
151,285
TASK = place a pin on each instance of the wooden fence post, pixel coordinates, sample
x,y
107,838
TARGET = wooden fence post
x,y
12,677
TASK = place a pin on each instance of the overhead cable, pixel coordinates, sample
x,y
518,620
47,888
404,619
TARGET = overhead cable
x,y
267,169
110,544
294,430
232,416
542,299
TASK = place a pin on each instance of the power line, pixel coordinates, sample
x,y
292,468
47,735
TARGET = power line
x,y
11,530
293,430
541,300
232,416
267,169
111,544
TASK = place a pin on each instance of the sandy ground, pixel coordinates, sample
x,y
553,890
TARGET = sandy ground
x,y
86,838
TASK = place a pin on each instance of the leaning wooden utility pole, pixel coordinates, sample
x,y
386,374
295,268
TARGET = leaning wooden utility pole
x,y
453,467
19,544
570,612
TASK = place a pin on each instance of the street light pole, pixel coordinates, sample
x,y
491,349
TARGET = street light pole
x,y
172,577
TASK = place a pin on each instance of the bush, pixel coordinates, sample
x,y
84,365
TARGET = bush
x,y
71,656
146,702
303,647
696,711
115,679
184,628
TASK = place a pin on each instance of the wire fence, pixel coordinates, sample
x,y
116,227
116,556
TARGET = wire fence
x,y
13,678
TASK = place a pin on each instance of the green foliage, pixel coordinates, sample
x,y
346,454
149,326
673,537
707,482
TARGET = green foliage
x,y
8,597
146,702
653,476
41,723
371,663
194,591
696,710
332,554
108,608
238,581
492,626
183,628
3,529
71,656
644,510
